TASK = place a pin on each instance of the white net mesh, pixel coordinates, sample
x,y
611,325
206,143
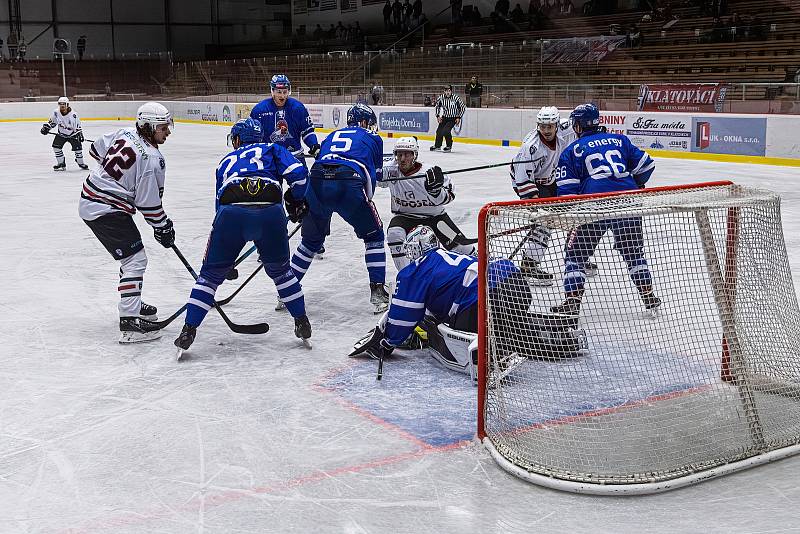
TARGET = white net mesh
x,y
618,389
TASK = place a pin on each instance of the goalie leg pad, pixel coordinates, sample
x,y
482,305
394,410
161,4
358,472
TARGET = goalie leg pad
x,y
453,349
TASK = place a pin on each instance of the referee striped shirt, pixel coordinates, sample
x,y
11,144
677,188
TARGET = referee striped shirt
x,y
450,107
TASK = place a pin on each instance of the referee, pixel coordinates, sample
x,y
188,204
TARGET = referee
x,y
449,110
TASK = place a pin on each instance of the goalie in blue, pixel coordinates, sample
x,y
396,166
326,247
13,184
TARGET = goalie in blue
x,y
438,290
601,162
285,120
249,208
342,181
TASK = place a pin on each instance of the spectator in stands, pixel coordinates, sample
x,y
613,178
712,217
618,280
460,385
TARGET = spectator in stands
x,y
11,43
566,9
408,9
318,33
387,16
455,11
634,37
377,93
397,14
476,16
517,15
11,74
108,90
22,48
81,47
341,31
501,7
473,92
331,34
416,12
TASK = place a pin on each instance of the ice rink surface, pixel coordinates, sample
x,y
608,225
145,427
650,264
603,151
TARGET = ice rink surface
x,y
258,433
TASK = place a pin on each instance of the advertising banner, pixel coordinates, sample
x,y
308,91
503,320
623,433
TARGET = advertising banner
x,y
614,122
724,135
315,112
404,121
243,110
682,97
660,131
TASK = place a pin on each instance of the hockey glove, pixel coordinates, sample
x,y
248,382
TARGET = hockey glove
x,y
295,209
434,181
165,235
79,136
45,129
313,150
375,347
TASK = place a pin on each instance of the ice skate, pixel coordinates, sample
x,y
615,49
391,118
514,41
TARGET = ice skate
x,y
378,297
185,340
570,306
535,274
302,329
148,312
82,165
447,149
591,269
320,254
651,303
60,167
134,330
280,306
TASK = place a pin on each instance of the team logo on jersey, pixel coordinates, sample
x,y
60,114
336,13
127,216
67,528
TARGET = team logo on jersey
x,y
410,195
161,163
281,132
337,116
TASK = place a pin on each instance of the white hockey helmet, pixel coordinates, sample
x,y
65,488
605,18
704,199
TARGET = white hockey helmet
x,y
548,115
63,100
407,144
419,241
153,113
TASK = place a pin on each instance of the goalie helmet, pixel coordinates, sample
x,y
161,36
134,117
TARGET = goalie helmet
x,y
152,114
362,113
419,241
63,100
280,81
407,144
548,115
248,131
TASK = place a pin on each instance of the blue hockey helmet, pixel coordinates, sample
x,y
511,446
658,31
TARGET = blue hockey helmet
x,y
248,131
361,113
587,116
280,81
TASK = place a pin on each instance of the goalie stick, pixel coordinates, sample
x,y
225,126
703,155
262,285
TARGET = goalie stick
x,y
258,328
456,171
229,298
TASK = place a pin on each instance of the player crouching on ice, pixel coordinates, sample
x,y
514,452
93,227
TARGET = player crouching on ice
x,y
444,285
249,208
68,130
419,201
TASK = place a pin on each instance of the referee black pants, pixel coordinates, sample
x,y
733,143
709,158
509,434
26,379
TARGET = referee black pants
x,y
444,130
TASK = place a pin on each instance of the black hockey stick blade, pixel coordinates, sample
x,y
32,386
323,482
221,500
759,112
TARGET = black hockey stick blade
x,y
164,323
258,328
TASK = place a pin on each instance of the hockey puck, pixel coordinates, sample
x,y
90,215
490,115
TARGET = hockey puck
x,y
233,274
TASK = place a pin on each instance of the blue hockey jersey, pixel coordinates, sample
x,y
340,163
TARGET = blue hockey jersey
x,y
254,174
441,282
602,162
355,148
285,126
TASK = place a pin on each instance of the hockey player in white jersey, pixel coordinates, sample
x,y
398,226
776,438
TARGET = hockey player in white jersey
x,y
540,150
419,202
68,129
130,176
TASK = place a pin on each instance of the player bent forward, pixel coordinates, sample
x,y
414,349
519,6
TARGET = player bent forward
x,y
130,177
68,130
249,208
445,285
419,202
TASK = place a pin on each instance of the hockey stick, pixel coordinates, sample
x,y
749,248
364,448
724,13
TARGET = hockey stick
x,y
258,328
456,171
165,322
226,300
68,137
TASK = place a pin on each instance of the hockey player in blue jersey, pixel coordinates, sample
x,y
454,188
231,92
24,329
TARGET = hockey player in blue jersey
x,y
285,120
249,208
342,180
439,287
601,162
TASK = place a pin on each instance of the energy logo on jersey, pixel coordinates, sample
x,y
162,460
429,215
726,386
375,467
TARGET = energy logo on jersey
x,y
281,132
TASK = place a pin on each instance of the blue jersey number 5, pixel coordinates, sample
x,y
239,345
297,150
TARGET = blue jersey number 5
x,y
340,142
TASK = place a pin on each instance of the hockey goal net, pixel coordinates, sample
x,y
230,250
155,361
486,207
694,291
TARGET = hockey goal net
x,y
619,398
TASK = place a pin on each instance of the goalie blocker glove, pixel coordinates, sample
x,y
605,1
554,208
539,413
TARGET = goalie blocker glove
x,y
434,180
295,209
376,347
165,235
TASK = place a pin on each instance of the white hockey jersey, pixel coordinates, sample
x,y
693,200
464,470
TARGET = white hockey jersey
x,y
67,124
130,176
526,176
409,197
